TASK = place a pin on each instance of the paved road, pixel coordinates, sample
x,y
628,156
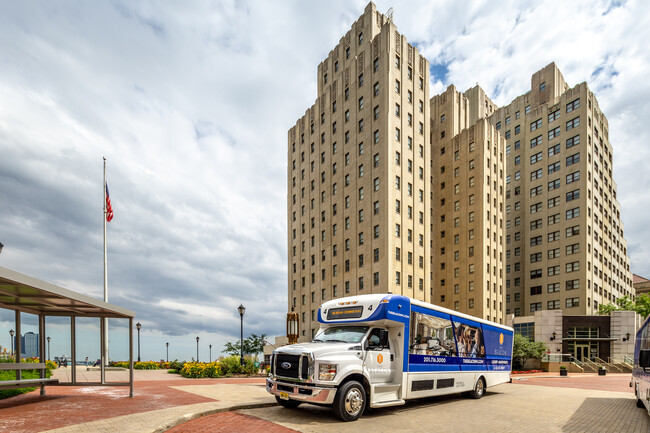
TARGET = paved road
x,y
506,408
581,403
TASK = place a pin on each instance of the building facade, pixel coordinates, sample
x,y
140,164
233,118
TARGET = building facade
x,y
468,203
358,174
491,211
565,245
641,285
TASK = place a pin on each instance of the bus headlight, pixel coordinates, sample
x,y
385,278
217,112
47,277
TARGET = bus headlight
x,y
326,371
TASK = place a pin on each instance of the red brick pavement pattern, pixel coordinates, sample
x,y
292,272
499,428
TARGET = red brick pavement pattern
x,y
226,422
66,405
619,382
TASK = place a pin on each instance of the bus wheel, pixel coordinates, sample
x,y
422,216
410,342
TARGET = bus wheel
x,y
289,404
479,389
350,401
639,403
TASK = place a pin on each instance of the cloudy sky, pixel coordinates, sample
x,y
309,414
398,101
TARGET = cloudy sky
x,y
190,102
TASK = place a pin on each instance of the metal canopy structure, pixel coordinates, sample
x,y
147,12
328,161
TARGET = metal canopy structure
x,y
22,293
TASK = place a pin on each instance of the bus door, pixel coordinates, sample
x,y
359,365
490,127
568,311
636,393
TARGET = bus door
x,y
379,357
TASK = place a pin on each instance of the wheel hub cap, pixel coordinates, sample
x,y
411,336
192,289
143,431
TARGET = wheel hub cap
x,y
353,402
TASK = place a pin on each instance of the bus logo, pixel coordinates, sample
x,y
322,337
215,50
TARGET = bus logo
x,y
501,338
285,365
380,358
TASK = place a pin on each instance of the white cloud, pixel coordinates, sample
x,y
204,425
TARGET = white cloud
x,y
191,103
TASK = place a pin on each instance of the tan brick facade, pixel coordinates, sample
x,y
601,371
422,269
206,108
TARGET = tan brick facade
x,y
452,200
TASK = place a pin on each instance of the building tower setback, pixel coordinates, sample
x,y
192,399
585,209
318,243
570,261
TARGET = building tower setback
x,y
565,245
358,192
468,204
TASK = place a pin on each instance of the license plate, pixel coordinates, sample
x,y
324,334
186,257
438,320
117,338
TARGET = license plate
x,y
284,395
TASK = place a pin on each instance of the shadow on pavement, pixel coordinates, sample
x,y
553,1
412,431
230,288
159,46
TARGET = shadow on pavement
x,y
610,415
310,414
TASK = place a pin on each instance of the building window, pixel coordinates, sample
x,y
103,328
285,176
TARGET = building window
x,y
573,159
536,124
535,141
573,123
573,302
573,105
573,141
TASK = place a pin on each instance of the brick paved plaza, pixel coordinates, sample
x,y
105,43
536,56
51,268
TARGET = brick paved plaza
x,y
166,402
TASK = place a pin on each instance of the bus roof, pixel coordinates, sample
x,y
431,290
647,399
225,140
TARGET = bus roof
x,y
376,298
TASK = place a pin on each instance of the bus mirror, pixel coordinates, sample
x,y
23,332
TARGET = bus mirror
x,y
383,338
644,358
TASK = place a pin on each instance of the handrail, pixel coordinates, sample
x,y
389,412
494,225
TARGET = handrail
x,y
561,357
628,360
609,365
590,363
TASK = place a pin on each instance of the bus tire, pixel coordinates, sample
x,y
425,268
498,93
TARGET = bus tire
x,y
479,389
350,401
289,404
639,403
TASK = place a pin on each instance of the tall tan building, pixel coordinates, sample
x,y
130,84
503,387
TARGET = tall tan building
x,y
484,210
565,245
468,226
359,174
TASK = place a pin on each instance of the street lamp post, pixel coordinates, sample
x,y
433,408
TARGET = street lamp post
x,y
11,334
167,344
138,326
48,348
210,360
241,310
197,349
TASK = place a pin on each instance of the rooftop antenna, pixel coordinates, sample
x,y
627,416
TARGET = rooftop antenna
x,y
389,15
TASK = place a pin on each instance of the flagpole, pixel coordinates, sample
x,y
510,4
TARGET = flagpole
x,y
105,274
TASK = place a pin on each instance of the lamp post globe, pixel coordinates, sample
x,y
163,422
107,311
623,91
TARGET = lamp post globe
x,y
11,334
197,349
241,310
138,326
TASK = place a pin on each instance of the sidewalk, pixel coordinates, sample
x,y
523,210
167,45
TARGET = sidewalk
x,y
164,400
161,401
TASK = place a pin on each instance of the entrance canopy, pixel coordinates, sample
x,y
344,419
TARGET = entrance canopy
x,y
24,294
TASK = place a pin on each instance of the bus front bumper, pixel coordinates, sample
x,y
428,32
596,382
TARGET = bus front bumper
x,y
298,392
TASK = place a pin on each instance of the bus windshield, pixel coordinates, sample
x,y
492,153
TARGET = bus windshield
x,y
341,334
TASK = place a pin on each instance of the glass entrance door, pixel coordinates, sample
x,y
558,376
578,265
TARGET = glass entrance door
x,y
582,352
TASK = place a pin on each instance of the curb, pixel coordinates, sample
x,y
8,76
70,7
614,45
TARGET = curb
x,y
189,417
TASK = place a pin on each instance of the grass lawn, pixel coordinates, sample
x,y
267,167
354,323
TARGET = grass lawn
x,y
11,375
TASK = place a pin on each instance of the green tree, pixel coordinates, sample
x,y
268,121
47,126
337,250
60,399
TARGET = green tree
x,y
251,345
523,349
641,305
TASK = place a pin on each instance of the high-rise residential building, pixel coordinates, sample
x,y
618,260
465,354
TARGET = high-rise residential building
x,y
359,174
468,184
565,247
485,210
29,345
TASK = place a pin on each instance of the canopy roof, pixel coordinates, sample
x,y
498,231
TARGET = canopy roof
x,y
23,293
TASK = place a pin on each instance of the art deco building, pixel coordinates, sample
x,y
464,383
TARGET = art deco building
x,y
468,204
565,245
359,174
484,210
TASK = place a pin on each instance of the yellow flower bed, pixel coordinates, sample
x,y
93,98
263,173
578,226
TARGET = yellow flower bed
x,y
201,369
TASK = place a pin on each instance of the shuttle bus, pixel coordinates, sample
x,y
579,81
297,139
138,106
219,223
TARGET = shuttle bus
x,y
641,372
383,349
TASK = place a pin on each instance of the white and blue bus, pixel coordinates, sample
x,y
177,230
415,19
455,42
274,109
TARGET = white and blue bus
x,y
641,372
381,350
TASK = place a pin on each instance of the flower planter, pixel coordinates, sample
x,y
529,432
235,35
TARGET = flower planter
x,y
563,372
602,372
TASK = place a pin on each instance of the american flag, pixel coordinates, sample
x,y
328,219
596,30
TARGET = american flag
x,y
109,208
